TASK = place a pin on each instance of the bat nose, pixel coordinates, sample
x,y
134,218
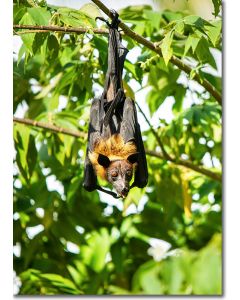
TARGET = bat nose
x,y
125,191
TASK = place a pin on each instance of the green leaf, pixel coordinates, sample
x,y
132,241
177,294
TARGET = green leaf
x,y
179,27
18,12
117,253
21,53
207,283
179,97
154,100
74,186
150,283
102,46
116,290
53,48
214,32
76,276
91,10
20,87
32,2
66,79
75,18
195,21
191,42
31,155
24,219
134,13
39,41
172,16
146,278
46,284
204,55
95,253
130,68
153,17
217,6
21,139
28,38
39,15
166,48
174,274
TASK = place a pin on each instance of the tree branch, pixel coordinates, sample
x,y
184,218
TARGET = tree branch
x,y
79,134
50,28
174,60
53,128
188,164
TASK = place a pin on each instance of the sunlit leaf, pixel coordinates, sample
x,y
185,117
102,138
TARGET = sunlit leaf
x,y
28,38
91,10
166,47
40,15
191,42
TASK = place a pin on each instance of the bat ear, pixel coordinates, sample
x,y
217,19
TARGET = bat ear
x,y
133,158
103,160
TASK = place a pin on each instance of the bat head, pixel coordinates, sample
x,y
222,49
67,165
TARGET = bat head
x,y
119,173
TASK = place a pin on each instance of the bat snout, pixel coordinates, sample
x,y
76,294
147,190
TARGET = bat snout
x,y
124,192
121,189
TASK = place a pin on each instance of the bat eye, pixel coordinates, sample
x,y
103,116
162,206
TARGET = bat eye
x,y
114,174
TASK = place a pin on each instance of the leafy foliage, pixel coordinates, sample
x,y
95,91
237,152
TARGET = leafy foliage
x,y
69,241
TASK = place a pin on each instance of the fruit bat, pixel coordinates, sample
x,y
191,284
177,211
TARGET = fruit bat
x,y
115,150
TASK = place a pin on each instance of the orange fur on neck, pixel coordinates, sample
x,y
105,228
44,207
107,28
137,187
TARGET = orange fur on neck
x,y
114,148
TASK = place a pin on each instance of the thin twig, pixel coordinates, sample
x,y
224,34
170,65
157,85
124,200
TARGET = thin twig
x,y
174,60
157,137
79,134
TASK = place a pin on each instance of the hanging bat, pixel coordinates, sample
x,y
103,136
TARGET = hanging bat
x,y
115,150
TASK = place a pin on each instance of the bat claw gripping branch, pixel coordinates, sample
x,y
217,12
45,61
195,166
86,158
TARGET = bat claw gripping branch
x,y
115,20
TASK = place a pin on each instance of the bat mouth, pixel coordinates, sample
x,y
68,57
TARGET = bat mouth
x,y
123,194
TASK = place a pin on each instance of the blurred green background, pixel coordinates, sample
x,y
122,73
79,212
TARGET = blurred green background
x,y
164,239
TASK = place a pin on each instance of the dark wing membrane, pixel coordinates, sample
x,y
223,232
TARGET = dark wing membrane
x,y
116,57
90,178
130,131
